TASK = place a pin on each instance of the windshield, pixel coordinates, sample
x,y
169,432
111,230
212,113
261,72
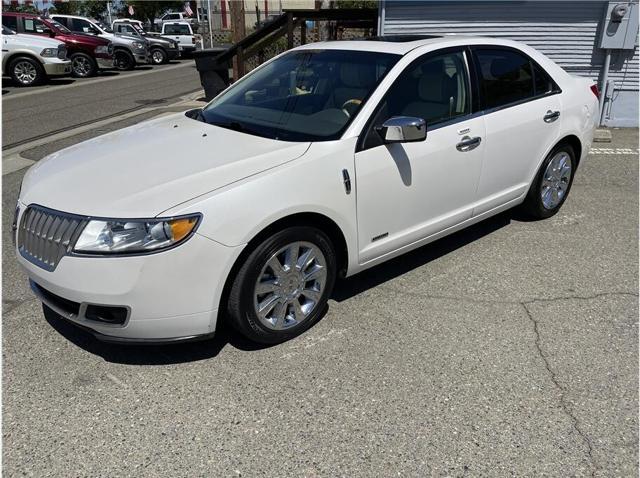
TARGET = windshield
x,y
308,95
104,27
59,26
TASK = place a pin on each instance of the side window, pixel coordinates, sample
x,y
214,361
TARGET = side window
x,y
33,25
543,82
435,89
10,22
79,25
505,76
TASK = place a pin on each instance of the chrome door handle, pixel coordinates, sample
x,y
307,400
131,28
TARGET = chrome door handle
x,y
551,116
468,143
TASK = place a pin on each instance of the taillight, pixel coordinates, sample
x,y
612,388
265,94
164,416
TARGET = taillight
x,y
193,40
595,90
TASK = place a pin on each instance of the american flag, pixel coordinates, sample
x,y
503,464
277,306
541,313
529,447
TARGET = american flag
x,y
187,9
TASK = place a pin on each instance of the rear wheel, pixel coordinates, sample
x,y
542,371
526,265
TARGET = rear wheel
x,y
158,56
551,186
82,65
26,71
283,286
123,60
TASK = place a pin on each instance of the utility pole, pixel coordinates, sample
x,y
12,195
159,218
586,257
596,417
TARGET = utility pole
x,y
239,32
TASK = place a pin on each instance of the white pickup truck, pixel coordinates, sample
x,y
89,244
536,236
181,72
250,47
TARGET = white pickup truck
x,y
182,33
30,59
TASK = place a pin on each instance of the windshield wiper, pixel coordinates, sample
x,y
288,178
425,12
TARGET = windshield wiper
x,y
239,127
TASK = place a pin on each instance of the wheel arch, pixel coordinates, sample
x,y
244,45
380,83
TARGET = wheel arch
x,y
575,143
312,219
20,54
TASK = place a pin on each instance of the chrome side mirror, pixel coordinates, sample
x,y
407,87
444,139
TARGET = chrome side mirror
x,y
403,129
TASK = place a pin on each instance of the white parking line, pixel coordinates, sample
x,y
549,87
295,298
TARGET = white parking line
x,y
626,151
93,81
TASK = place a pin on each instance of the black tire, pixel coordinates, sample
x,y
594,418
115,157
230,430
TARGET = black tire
x,y
241,312
159,56
533,204
123,60
26,71
83,65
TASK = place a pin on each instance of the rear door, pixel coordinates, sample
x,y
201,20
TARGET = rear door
x,y
522,116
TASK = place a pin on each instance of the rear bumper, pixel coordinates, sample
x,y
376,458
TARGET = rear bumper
x,y
59,68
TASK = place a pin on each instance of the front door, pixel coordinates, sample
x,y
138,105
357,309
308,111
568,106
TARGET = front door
x,y
407,192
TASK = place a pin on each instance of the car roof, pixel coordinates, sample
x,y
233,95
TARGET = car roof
x,y
71,16
403,44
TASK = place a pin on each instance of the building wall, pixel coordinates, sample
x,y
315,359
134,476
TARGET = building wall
x,y
566,31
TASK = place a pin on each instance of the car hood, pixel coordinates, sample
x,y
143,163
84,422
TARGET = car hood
x,y
34,41
145,169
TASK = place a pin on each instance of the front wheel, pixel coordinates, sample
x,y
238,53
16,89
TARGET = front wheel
x,y
26,71
283,286
124,61
551,186
158,56
82,65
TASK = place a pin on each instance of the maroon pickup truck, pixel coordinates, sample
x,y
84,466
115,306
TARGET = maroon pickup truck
x,y
88,53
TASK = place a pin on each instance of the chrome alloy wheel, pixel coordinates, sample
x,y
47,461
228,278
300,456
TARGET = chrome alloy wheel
x,y
25,72
290,285
157,57
555,180
81,66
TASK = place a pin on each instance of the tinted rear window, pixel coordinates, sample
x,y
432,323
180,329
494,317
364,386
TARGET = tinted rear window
x,y
505,76
177,30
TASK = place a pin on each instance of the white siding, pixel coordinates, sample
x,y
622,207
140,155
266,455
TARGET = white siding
x,y
566,31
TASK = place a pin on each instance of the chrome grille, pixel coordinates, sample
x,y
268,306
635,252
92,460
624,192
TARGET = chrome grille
x,y
45,236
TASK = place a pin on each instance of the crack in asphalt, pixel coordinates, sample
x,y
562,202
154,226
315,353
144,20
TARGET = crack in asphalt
x,y
566,408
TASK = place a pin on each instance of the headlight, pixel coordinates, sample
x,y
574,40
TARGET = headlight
x,y
114,236
102,49
49,52
138,46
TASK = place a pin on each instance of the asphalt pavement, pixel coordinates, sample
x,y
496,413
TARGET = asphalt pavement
x,y
507,349
29,113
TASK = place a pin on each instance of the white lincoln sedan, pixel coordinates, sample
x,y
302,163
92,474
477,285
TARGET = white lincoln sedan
x,y
325,161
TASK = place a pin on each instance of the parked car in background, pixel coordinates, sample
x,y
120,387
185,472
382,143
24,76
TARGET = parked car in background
x,y
30,60
127,50
161,50
329,159
172,17
182,33
88,53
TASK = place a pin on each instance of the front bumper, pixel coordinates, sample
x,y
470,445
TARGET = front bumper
x,y
104,63
141,58
57,68
170,296
173,53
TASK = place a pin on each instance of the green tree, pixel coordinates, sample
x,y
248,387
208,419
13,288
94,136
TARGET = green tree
x,y
94,8
20,8
66,8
